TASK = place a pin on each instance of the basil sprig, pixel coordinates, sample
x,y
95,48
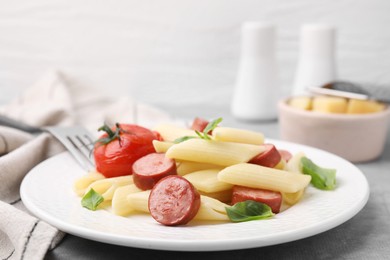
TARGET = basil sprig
x,y
202,135
212,125
91,200
248,210
321,178
183,138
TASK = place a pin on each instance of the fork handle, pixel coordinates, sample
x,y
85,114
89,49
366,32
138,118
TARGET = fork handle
x,y
9,122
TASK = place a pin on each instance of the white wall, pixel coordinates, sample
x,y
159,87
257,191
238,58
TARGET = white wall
x,y
177,52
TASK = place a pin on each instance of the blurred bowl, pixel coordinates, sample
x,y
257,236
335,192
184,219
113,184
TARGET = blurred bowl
x,y
357,137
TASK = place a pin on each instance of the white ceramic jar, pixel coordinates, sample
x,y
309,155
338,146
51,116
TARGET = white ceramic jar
x,y
317,57
257,88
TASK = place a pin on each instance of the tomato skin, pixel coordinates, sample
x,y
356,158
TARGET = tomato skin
x,y
117,157
158,136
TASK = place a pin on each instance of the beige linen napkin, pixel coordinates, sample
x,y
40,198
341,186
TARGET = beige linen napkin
x,y
54,100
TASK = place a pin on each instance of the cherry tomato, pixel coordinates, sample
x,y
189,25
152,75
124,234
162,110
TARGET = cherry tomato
x,y
158,135
117,149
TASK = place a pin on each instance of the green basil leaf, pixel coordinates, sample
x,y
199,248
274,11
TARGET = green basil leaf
x,y
248,210
202,135
183,138
321,178
206,136
91,200
212,125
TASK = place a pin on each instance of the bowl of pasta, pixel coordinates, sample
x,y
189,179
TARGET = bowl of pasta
x,y
353,129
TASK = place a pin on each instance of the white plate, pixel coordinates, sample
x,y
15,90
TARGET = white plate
x,y
47,193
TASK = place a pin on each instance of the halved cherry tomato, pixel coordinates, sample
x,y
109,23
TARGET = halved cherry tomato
x,y
117,149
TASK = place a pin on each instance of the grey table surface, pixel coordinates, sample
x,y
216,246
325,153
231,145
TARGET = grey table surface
x,y
365,236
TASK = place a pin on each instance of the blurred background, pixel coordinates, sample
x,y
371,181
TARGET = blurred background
x,y
177,53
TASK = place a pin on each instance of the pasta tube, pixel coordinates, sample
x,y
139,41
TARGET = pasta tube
x,y
139,201
171,132
80,185
211,209
106,187
207,181
186,167
256,176
223,196
214,152
161,147
293,198
120,204
294,164
227,134
281,165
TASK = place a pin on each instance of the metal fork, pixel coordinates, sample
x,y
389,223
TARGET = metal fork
x,y
76,139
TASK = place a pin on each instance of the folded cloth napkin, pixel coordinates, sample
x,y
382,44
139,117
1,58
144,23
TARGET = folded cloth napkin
x,y
54,100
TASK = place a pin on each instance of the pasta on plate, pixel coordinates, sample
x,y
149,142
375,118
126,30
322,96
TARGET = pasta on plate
x,y
214,162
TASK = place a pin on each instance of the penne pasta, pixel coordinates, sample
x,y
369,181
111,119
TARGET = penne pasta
x,y
80,185
186,167
120,205
227,134
211,209
161,147
213,152
106,187
293,198
281,165
207,181
170,133
223,196
213,164
294,164
139,201
256,176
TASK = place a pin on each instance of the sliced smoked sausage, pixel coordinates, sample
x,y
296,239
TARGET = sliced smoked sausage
x,y
269,158
149,169
199,124
286,155
272,198
173,201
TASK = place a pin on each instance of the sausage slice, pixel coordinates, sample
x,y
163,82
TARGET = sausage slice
x,y
271,198
286,155
174,201
199,124
149,169
269,158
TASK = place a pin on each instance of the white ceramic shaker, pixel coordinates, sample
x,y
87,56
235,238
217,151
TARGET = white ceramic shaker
x,y
316,61
257,88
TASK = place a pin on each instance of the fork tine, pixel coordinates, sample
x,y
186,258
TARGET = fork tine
x,y
77,141
83,146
